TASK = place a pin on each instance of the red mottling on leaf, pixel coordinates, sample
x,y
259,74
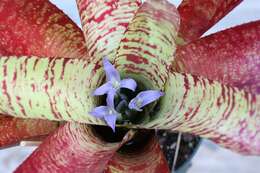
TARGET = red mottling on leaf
x,y
243,124
104,23
197,16
14,76
211,109
148,44
97,66
5,92
230,56
72,148
136,59
44,30
13,130
33,87
30,103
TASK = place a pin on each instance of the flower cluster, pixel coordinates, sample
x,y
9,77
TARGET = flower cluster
x,y
111,88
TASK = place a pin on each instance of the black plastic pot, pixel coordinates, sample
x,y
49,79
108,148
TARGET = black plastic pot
x,y
168,141
185,166
188,147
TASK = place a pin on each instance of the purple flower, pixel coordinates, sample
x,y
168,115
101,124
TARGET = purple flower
x,y
144,98
111,88
114,83
108,113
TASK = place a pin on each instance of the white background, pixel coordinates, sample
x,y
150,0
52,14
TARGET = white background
x,y
210,158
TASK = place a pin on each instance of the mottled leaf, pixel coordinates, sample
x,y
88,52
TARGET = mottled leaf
x,y
198,16
72,148
104,23
231,56
226,115
13,130
37,27
148,45
48,88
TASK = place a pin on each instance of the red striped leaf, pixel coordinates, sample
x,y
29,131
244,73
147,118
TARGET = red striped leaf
x,y
13,130
149,43
44,30
72,148
48,88
231,56
226,115
198,16
36,27
104,23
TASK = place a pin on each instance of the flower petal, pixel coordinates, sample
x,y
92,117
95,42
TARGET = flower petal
x,y
111,72
149,96
198,16
145,97
100,111
133,105
110,98
103,89
111,120
129,84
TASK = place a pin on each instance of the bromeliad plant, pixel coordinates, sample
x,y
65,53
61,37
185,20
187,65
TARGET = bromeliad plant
x,y
211,85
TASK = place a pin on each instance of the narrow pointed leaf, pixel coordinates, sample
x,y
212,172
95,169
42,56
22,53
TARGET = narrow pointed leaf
x,y
48,88
198,16
149,42
104,23
37,27
226,115
151,159
72,148
231,56
13,130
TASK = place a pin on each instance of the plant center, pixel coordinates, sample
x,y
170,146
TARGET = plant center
x,y
115,84
140,140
